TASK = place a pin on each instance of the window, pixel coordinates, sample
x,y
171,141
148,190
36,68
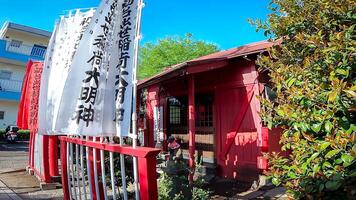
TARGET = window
x,y
204,115
174,117
15,43
38,50
2,114
177,111
5,75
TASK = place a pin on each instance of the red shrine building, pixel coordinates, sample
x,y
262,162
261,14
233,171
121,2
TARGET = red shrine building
x,y
210,104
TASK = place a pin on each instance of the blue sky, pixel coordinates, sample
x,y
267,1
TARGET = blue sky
x,y
221,22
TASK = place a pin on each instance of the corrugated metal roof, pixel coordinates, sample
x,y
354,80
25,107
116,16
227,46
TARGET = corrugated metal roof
x,y
28,29
248,49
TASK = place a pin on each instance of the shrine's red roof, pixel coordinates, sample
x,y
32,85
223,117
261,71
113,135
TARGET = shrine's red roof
x,y
248,49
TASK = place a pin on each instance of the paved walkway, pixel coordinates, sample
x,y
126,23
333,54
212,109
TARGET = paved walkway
x,y
13,156
275,193
224,189
6,193
15,182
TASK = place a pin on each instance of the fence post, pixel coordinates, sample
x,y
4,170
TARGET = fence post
x,y
146,161
64,170
45,156
91,169
33,150
30,163
148,177
53,156
98,167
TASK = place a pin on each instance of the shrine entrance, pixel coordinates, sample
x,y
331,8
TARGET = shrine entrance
x,y
177,125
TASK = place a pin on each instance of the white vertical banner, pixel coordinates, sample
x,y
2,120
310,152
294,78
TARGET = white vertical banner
x,y
95,95
62,48
161,134
81,110
124,76
158,123
155,123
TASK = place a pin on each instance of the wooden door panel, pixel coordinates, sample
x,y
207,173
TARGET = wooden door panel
x,y
242,157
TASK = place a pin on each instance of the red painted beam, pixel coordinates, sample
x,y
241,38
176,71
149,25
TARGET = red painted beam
x,y
203,67
141,152
191,124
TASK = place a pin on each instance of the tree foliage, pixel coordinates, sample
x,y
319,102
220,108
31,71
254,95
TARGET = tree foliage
x,y
170,51
313,74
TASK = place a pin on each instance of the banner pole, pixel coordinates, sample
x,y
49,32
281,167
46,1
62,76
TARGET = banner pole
x,y
134,73
134,94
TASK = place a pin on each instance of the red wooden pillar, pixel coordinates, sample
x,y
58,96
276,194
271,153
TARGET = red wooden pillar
x,y
30,152
53,156
165,122
45,161
148,177
91,169
64,170
191,124
98,167
33,150
152,102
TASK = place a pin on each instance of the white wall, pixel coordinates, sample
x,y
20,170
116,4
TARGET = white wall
x,y
10,115
26,38
15,82
17,71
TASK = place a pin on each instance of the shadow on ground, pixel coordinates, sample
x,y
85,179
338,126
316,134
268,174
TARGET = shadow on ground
x,y
21,146
223,189
227,188
27,187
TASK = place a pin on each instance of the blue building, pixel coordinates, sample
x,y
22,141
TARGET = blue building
x,y
18,44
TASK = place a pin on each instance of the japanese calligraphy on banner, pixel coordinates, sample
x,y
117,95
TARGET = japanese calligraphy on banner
x,y
61,49
96,98
28,109
123,79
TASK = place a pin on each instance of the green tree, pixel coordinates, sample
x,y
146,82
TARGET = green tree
x,y
170,51
313,74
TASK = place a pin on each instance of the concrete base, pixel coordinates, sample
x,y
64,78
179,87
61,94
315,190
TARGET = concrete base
x,y
30,171
48,186
264,181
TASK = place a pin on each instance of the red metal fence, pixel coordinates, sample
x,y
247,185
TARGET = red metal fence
x,y
84,167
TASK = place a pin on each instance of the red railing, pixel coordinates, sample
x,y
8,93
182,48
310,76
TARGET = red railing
x,y
76,180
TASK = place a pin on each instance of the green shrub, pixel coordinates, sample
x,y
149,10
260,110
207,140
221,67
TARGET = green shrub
x,y
200,194
165,185
313,75
177,187
23,135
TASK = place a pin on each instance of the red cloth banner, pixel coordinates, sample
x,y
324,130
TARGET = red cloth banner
x,y
22,112
28,108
